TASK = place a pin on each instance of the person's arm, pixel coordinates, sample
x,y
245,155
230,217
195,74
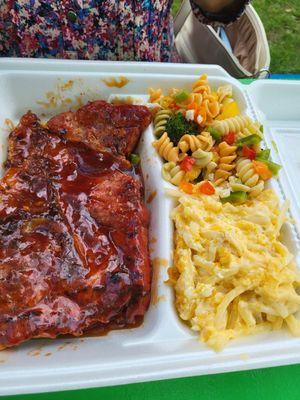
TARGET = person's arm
x,y
218,11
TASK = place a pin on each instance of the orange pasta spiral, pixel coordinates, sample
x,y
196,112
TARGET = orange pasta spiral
x,y
226,162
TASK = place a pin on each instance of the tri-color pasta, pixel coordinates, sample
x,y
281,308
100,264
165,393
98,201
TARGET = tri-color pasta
x,y
160,121
166,148
203,137
226,163
249,177
234,124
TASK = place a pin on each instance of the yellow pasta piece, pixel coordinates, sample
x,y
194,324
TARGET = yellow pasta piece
x,y
204,141
209,170
226,162
166,148
248,176
224,93
189,142
167,102
193,174
172,173
252,128
207,142
211,108
236,185
235,124
155,95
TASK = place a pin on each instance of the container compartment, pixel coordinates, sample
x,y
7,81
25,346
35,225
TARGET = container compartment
x,y
163,347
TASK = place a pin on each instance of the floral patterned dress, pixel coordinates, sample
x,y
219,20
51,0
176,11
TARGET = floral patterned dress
x,y
140,30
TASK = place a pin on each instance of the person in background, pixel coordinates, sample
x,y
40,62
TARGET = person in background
x,y
140,30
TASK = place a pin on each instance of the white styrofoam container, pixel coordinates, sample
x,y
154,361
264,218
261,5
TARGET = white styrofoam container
x,y
163,347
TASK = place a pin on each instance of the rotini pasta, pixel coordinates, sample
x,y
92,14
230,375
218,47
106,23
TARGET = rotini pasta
x,y
172,173
207,142
201,86
246,172
204,141
193,173
196,98
252,128
235,124
211,108
195,157
166,148
226,162
167,102
160,121
189,143
155,95
209,170
257,189
203,158
224,93
248,176
236,185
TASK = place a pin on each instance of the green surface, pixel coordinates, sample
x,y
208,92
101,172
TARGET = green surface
x,y
282,23
272,383
176,5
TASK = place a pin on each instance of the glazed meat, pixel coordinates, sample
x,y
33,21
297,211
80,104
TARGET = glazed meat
x,y
71,258
103,126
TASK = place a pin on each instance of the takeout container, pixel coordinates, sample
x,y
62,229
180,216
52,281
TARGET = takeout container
x,y
163,347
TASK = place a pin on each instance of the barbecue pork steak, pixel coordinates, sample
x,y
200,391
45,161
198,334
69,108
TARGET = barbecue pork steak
x,y
73,225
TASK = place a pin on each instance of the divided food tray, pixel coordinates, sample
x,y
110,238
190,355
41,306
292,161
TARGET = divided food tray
x,y
162,347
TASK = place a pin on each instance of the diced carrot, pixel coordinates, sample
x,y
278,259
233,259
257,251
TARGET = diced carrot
x,y
207,188
262,170
186,187
193,106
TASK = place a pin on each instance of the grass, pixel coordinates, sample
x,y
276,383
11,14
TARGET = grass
x,y
282,23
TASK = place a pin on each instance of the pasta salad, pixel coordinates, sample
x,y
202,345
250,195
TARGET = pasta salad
x,y
207,145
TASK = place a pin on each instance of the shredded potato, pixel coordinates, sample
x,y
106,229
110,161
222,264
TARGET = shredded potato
x,y
233,275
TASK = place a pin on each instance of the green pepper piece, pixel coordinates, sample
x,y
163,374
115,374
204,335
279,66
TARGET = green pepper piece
x,y
249,140
235,197
263,155
261,128
273,167
181,96
135,159
216,135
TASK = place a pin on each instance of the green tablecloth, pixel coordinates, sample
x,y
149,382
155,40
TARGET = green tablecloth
x,y
281,383
273,383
